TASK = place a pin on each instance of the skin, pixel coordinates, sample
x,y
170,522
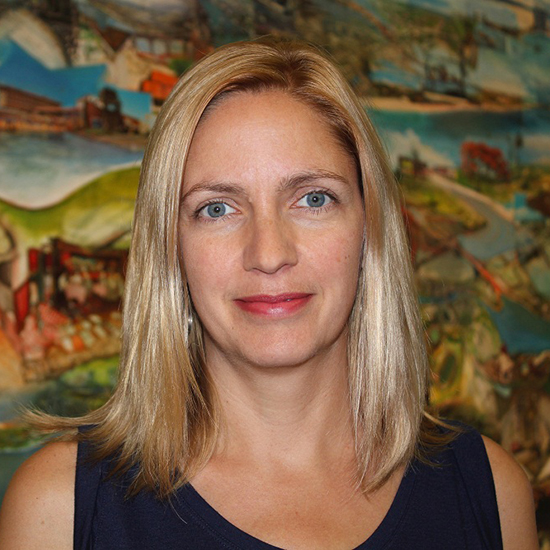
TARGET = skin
x,y
286,452
281,380
270,241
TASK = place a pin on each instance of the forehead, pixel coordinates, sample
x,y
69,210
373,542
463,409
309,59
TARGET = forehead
x,y
260,109
259,131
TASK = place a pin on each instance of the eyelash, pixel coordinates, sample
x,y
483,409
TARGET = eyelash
x,y
320,209
314,210
197,213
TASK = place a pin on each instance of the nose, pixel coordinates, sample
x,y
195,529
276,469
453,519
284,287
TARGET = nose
x,y
270,246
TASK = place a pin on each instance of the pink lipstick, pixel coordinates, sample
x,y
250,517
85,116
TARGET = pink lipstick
x,y
280,305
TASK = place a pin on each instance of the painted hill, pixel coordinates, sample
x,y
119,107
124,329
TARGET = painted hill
x,y
90,216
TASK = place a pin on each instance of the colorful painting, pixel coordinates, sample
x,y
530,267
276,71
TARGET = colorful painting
x,y
460,92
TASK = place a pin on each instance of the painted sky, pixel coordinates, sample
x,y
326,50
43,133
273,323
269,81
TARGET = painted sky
x,y
52,166
21,70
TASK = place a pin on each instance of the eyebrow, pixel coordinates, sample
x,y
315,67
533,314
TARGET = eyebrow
x,y
286,184
214,187
310,176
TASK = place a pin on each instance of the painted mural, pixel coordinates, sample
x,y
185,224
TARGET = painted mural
x,y
459,90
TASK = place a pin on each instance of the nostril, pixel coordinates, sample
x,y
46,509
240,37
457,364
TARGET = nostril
x,y
271,246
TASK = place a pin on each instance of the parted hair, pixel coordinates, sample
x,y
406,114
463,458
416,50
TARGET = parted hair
x,y
163,419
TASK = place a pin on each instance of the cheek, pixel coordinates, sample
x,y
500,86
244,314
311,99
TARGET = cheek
x,y
196,264
337,261
208,264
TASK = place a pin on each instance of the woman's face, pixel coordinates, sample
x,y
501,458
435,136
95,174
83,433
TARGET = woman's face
x,y
271,231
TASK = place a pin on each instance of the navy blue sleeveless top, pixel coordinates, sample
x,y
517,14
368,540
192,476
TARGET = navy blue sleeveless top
x,y
448,507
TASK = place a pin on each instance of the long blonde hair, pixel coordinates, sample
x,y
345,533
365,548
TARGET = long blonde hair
x,y
162,417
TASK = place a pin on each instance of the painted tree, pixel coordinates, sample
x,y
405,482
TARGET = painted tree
x,y
353,33
459,34
416,34
482,160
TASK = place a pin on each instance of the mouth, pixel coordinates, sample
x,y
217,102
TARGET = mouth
x,y
280,305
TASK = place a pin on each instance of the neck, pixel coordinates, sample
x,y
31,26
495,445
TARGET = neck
x,y
293,416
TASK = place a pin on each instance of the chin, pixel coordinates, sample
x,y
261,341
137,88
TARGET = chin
x,y
284,353
277,361
282,347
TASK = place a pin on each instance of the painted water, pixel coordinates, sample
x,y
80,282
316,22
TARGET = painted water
x,y
437,137
521,330
38,170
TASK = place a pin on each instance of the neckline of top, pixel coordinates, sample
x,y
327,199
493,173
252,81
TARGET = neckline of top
x,y
212,520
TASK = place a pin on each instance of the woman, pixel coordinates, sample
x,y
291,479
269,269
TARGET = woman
x,y
273,370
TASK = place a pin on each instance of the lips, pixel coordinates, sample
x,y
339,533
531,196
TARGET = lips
x,y
280,305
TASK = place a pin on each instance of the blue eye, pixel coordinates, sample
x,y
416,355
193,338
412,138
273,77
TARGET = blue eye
x,y
314,200
216,210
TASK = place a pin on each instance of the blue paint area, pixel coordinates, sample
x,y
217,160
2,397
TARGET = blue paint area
x,y
20,70
102,19
496,237
37,169
134,104
78,82
441,6
390,74
444,133
521,210
521,330
513,63
228,29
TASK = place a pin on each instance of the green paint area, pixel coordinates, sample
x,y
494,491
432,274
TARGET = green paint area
x,y
448,371
420,193
530,180
91,216
79,390
18,437
74,393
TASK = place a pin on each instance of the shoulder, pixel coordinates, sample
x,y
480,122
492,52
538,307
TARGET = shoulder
x,y
38,507
514,498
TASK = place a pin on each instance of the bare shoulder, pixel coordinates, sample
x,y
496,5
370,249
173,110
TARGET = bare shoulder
x,y
38,508
515,499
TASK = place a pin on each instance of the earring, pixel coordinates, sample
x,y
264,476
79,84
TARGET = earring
x,y
189,327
